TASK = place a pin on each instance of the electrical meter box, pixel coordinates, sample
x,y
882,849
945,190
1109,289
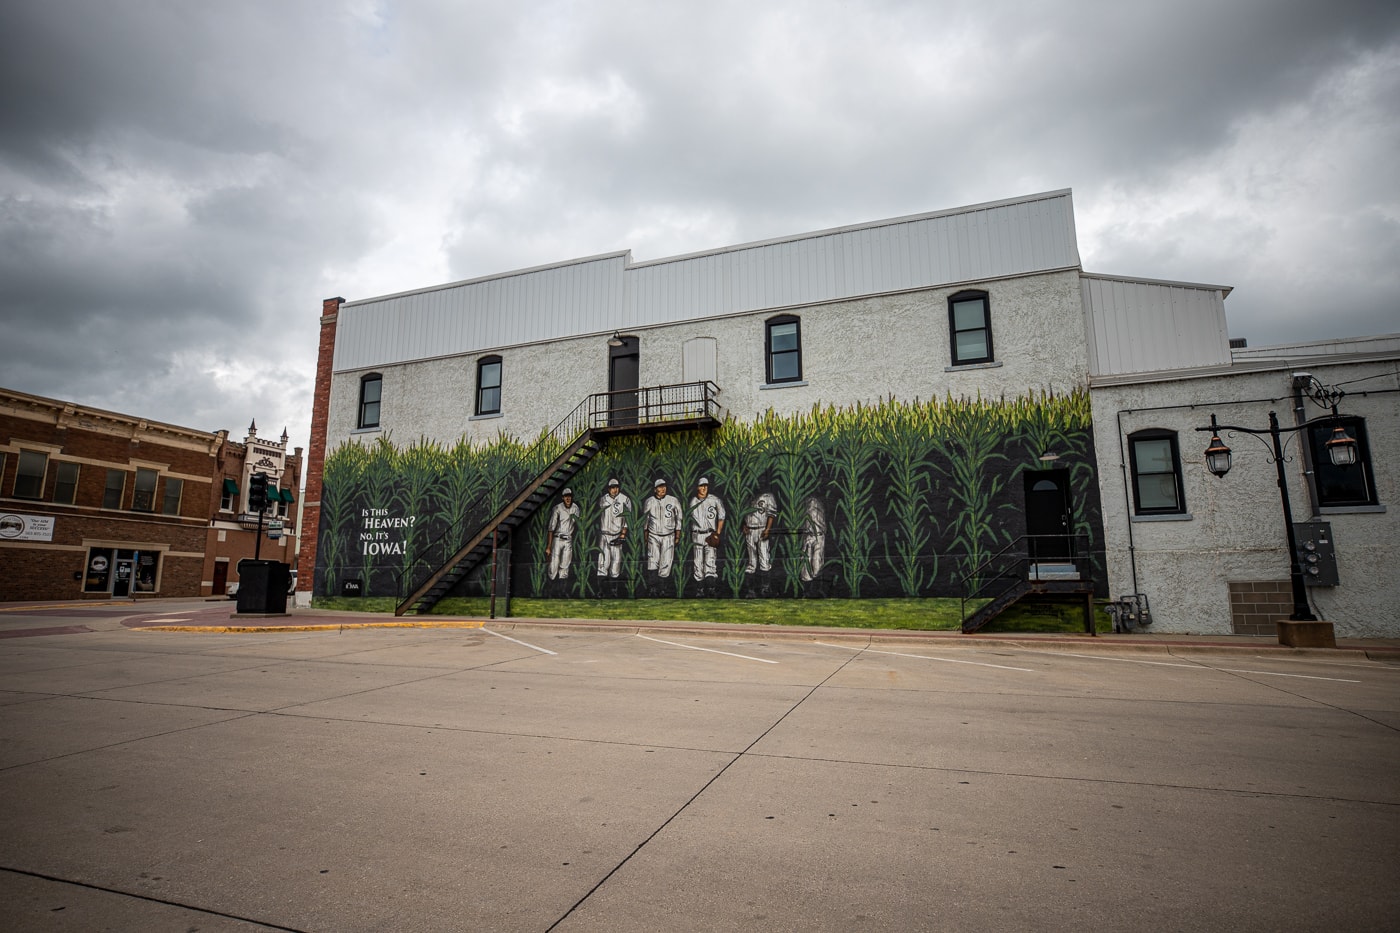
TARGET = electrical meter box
x,y
1316,555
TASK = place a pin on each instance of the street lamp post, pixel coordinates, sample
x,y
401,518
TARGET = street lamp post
x,y
1341,449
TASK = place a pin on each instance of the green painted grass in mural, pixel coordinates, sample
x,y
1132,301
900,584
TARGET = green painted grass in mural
x,y
927,615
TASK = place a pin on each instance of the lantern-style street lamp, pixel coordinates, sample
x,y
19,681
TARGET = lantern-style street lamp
x,y
1341,450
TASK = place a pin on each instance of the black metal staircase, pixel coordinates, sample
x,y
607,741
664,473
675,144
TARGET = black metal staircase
x,y
1049,566
445,562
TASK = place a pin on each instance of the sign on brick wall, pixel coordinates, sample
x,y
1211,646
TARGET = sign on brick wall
x,y
26,527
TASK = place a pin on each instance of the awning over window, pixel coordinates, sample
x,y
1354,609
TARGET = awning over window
x,y
288,495
230,487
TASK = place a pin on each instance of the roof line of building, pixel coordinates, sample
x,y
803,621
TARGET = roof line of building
x,y
73,408
1134,279
626,254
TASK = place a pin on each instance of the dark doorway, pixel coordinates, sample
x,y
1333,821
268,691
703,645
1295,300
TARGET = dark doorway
x,y
1048,515
121,583
624,370
220,578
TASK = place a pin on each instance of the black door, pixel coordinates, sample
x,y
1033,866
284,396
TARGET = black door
x,y
624,369
1048,515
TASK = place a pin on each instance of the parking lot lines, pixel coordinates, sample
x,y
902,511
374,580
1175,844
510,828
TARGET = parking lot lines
x,y
924,657
676,644
1207,667
519,642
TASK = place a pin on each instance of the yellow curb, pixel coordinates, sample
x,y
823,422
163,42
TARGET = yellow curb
x,y
330,627
82,605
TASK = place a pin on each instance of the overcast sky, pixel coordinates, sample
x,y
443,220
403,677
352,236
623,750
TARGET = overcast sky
x,y
182,182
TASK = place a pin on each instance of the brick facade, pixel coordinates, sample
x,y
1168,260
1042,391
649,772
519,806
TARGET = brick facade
x,y
142,550
316,453
1256,607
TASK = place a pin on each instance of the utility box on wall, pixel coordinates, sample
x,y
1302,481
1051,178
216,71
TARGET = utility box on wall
x,y
1316,554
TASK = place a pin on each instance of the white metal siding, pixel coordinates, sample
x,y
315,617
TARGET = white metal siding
x,y
600,294
1141,327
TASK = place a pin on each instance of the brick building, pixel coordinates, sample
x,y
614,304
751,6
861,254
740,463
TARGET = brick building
x,y
95,504
233,526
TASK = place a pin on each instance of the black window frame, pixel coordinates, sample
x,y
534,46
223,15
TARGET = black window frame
x,y
985,328
362,412
482,402
1156,434
770,353
1325,476
24,487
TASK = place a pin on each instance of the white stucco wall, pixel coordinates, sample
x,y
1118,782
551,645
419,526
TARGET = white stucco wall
x,y
1233,529
859,350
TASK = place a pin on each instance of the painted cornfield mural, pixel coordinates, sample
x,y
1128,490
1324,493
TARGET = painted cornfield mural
x,y
894,499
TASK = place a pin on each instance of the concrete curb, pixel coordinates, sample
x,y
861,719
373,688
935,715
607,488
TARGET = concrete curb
x,y
319,627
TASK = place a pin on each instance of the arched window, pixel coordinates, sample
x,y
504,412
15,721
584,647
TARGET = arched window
x,y
488,385
1156,467
370,387
970,328
784,348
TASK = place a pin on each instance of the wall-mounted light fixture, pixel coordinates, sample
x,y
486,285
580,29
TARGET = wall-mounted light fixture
x,y
615,340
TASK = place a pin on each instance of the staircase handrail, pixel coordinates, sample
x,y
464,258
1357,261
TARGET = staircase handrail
x,y
1015,561
594,412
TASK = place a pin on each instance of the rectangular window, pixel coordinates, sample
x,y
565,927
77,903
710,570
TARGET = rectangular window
x,y
171,504
970,324
784,340
1156,469
488,386
371,387
1339,486
229,495
143,498
65,489
29,476
112,493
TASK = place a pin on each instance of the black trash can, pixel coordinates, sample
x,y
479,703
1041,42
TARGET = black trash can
x,y
262,586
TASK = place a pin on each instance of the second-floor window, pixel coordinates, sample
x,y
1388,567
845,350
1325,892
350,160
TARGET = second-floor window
x,y
488,386
370,388
970,328
143,497
29,476
65,487
171,504
112,492
784,349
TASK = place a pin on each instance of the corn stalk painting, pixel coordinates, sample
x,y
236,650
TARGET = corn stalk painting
x,y
898,498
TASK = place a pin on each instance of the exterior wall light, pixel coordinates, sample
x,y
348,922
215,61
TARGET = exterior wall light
x,y
615,340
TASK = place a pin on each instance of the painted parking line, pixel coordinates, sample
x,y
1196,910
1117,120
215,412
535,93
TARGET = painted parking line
x,y
676,644
925,657
519,642
1207,667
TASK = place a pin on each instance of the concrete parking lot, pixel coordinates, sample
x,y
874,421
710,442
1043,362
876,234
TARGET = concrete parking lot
x,y
538,778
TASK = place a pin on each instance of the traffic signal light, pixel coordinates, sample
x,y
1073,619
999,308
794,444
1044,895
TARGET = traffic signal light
x,y
257,492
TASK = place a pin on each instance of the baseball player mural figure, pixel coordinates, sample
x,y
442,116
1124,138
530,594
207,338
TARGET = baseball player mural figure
x,y
758,524
663,529
559,538
612,529
813,540
706,525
